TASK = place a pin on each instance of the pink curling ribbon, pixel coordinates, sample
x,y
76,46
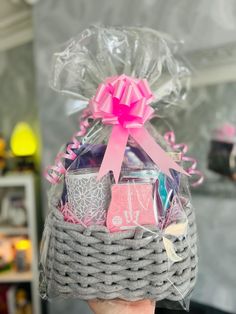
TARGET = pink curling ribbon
x,y
124,103
69,216
54,173
191,170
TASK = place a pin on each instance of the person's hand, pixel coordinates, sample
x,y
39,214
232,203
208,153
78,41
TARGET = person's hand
x,y
122,307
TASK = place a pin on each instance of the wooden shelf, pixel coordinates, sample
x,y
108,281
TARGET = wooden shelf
x,y
10,230
15,180
14,276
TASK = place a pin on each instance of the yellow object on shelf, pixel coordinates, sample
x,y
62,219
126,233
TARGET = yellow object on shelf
x,y
23,245
23,140
23,256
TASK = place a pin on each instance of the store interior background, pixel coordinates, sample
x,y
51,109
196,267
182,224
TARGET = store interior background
x,y
30,31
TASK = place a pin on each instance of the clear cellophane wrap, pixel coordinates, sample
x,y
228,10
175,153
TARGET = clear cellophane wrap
x,y
121,223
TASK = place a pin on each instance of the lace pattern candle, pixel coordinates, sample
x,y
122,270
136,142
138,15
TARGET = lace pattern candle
x,y
88,198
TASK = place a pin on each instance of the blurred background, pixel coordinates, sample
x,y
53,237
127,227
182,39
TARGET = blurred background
x,y
33,125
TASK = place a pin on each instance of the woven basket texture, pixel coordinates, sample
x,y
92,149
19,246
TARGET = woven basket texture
x,y
90,263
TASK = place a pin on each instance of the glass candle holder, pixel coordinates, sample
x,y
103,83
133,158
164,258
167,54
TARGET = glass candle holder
x,y
88,198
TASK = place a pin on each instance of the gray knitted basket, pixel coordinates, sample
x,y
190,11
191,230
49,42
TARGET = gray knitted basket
x,y
90,263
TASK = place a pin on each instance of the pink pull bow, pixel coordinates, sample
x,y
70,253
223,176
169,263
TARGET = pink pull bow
x,y
124,102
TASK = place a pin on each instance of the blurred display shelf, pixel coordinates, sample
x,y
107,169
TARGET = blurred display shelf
x,y
10,230
14,276
14,180
15,24
26,182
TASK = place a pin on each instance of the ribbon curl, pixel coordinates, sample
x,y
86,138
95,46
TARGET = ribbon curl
x,y
54,173
192,169
124,102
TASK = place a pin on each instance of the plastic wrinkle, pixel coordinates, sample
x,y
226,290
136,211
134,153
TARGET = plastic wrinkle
x,y
100,52
191,170
54,173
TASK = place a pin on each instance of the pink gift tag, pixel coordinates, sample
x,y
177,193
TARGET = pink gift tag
x,y
131,205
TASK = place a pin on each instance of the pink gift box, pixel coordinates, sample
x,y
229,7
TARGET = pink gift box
x,y
131,205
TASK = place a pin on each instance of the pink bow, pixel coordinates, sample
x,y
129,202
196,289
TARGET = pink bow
x,y
124,102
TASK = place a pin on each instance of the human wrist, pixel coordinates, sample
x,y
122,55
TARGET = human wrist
x,y
120,306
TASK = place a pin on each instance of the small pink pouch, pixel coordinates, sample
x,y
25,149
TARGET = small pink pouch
x,y
131,205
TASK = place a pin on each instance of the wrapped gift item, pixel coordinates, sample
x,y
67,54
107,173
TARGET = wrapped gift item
x,y
121,223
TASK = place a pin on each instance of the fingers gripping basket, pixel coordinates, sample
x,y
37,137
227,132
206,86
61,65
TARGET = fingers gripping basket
x,y
121,224
92,263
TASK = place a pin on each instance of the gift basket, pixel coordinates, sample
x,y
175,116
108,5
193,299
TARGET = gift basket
x,y
121,224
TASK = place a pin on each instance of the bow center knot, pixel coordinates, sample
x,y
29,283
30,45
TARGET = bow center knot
x,y
123,100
